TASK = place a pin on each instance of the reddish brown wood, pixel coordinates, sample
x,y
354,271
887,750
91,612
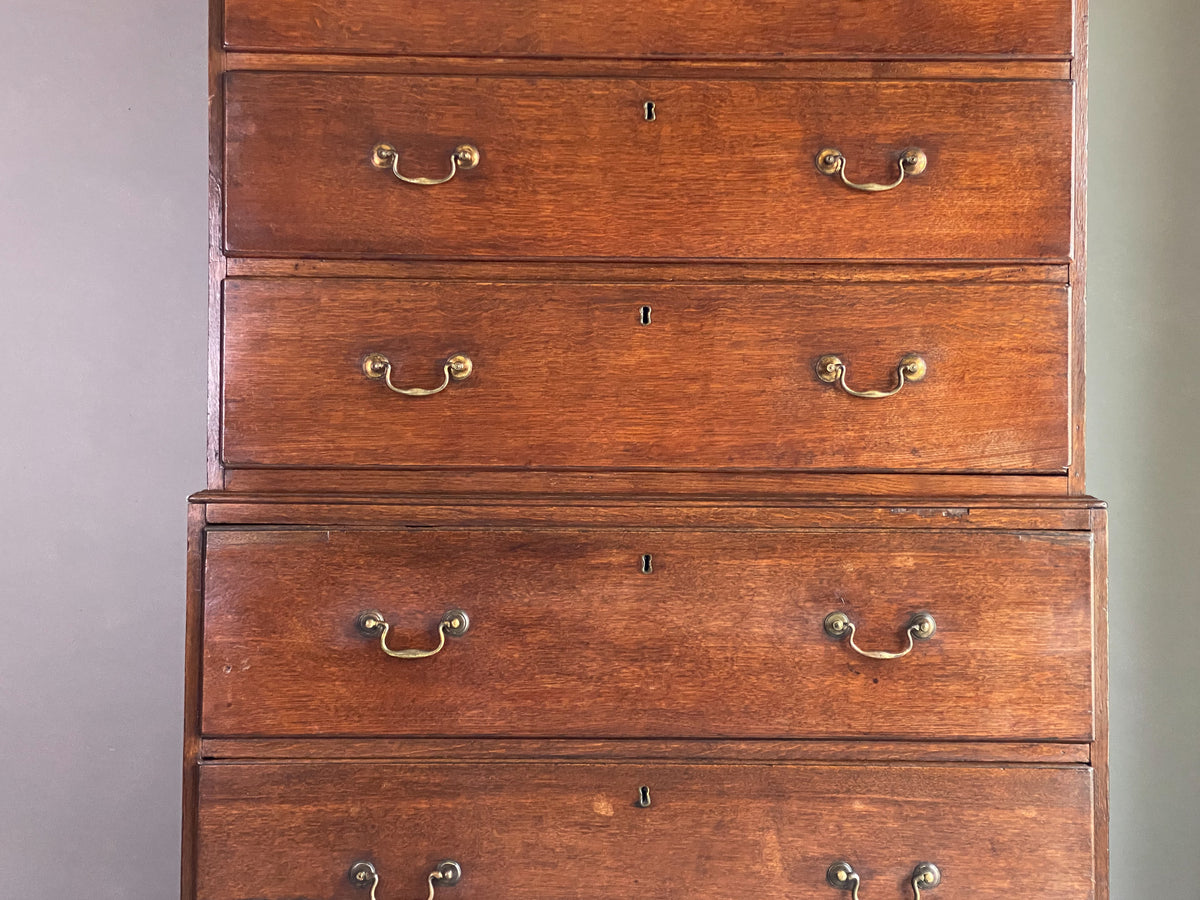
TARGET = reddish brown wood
x,y
1079,72
578,206
1042,514
571,169
570,830
1022,69
666,28
570,377
1099,748
216,239
717,485
193,654
617,272
460,750
723,638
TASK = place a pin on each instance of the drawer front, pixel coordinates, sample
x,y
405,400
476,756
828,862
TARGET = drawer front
x,y
568,376
649,634
766,29
571,168
713,831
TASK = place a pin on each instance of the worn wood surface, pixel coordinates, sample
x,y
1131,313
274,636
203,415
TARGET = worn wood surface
x,y
728,272
722,638
1079,73
1099,748
761,751
571,169
572,376
650,511
664,28
193,654
824,70
576,189
275,831
529,483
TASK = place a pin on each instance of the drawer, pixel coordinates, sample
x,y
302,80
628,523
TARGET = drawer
x,y
766,29
720,377
714,831
644,633
570,168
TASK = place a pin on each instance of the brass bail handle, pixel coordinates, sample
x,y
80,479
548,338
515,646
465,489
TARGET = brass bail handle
x,y
457,368
446,874
385,156
921,627
912,162
371,623
831,370
841,875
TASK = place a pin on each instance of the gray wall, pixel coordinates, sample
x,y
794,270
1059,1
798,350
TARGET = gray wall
x,y
1144,424
102,281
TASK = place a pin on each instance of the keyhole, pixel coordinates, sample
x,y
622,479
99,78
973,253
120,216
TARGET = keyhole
x,y
643,799
645,315
649,108
647,564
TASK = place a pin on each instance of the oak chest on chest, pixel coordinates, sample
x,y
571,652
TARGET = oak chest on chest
x,y
646,455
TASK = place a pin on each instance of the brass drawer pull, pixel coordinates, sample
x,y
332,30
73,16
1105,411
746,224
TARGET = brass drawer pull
x,y
831,370
447,874
457,367
921,627
842,876
371,623
385,156
912,162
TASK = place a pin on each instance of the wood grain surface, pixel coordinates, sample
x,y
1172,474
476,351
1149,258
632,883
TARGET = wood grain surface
x,y
568,376
655,511
663,28
691,750
570,636
279,832
570,168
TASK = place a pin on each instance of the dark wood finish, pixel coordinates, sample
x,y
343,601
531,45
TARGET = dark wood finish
x,y
570,637
568,376
460,750
562,830
765,29
571,169
378,510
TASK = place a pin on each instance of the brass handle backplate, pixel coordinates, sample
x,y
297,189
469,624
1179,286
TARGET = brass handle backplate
x,y
921,627
831,370
385,156
446,874
457,368
371,623
841,875
912,162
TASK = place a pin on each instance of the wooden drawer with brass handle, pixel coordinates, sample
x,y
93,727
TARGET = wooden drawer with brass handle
x,y
562,632
504,831
491,167
765,29
900,378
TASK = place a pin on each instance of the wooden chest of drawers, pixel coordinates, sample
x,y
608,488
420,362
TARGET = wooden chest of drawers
x,y
646,455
